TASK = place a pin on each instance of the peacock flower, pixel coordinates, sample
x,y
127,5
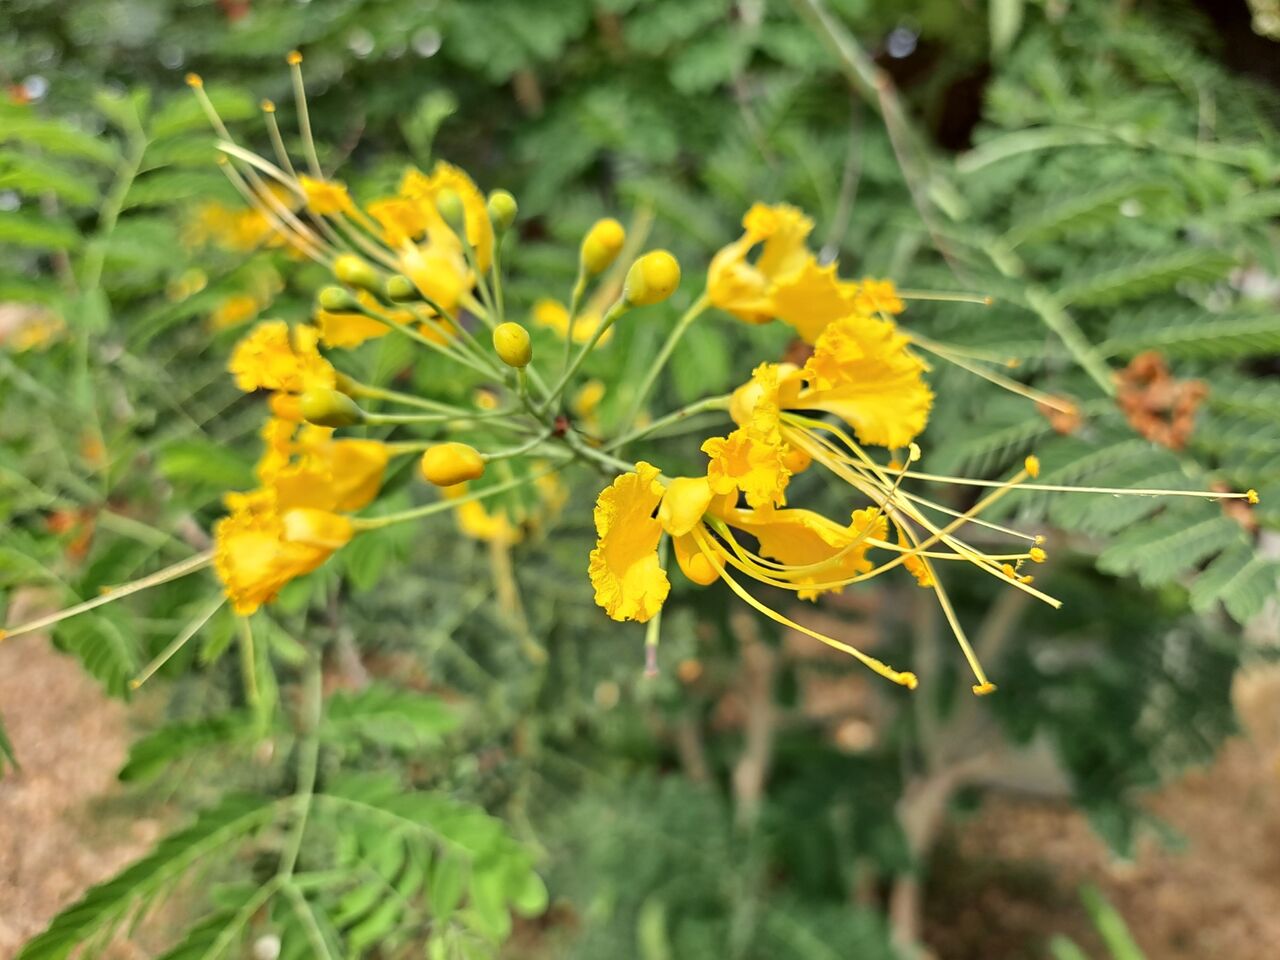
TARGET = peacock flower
x,y
262,545
754,459
307,467
745,288
326,198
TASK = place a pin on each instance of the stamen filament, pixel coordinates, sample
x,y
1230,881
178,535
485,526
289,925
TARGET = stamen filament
x,y
173,572
180,641
304,118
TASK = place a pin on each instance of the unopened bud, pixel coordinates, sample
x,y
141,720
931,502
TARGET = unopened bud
x,y
651,279
502,209
336,299
449,204
601,245
447,464
400,289
356,272
329,408
511,341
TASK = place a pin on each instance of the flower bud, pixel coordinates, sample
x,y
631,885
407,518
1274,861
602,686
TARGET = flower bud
x,y
511,341
447,464
502,209
449,204
336,299
356,272
329,408
601,245
400,289
651,279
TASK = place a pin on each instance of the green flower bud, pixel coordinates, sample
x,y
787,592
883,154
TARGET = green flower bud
x,y
356,272
502,209
336,299
400,289
329,408
449,204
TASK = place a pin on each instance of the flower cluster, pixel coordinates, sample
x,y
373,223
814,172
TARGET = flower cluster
x,y
426,264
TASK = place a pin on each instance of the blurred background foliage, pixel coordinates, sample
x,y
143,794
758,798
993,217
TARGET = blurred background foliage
x,y
1108,172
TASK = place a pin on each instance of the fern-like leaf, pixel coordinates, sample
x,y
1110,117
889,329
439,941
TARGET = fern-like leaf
x,y
1195,334
1111,284
109,905
1173,544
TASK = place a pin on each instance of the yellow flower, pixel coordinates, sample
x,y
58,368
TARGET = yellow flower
x,y
554,316
315,470
746,289
326,198
424,189
586,405
261,546
348,330
234,310
863,371
629,582
477,522
402,221
270,358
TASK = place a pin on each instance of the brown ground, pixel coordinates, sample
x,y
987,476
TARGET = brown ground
x,y
1010,875
55,837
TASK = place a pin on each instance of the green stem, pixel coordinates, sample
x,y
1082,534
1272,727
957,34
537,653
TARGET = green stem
x,y
308,761
609,319
708,403
441,506
575,304
412,334
673,340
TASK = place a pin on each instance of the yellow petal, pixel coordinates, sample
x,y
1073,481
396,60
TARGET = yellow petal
x,y
684,504
629,582
801,537
863,371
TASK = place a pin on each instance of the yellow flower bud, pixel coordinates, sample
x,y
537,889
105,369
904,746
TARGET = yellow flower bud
x,y
355,272
449,204
329,408
400,289
601,245
1037,555
451,463
336,299
511,341
651,279
502,209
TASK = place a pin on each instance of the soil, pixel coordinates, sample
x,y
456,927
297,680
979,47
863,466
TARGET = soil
x,y
1005,881
58,835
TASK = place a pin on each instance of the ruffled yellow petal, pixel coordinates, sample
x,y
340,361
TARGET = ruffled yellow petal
x,y
258,550
747,289
863,371
348,330
270,358
747,462
801,537
629,582
402,221
811,298
325,197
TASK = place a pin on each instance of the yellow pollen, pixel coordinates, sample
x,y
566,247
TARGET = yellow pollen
x,y
1008,571
1039,539
982,689
1251,495
1036,554
908,679
1032,463
268,106
1027,579
294,58
193,80
913,453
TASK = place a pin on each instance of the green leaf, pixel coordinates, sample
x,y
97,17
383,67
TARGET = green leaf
x,y
35,176
1196,334
183,113
1079,210
37,231
205,464
1240,578
1005,20
178,741
57,137
1110,284
104,644
110,904
387,716
1063,949
446,885
1173,544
